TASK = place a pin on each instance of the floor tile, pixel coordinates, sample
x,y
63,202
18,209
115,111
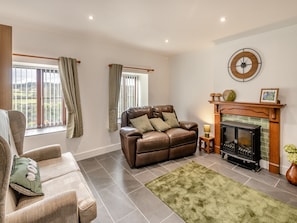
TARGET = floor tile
x,y
122,197
125,181
229,173
270,190
151,206
89,164
134,217
145,176
100,179
117,202
173,218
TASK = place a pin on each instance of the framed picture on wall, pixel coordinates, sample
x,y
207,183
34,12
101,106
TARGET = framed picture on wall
x,y
269,95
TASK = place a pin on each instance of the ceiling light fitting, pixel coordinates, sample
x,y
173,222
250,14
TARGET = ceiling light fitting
x,y
223,19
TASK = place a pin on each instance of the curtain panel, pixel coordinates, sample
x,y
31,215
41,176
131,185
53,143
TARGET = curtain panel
x,y
115,75
70,87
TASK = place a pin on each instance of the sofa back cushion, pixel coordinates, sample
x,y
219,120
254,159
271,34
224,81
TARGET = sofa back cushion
x,y
136,112
157,110
142,123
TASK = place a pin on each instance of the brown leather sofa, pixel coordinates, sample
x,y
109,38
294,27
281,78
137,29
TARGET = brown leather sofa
x,y
152,146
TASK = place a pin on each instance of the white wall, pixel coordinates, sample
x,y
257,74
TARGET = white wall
x,y
95,54
206,71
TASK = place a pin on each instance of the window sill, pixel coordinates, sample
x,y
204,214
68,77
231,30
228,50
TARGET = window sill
x,y
34,132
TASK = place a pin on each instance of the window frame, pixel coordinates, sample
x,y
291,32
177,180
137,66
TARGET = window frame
x,y
40,95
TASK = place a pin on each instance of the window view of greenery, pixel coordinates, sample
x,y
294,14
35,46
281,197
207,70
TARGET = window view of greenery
x,y
37,93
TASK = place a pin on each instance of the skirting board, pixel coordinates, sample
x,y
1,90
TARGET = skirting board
x,y
97,152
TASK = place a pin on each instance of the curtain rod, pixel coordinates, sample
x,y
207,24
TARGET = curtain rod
x,y
137,68
40,57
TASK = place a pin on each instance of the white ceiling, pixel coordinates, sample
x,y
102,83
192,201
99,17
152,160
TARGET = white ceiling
x,y
187,24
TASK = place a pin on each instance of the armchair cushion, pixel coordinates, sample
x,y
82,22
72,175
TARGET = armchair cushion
x,y
25,177
142,123
170,119
70,181
62,165
159,124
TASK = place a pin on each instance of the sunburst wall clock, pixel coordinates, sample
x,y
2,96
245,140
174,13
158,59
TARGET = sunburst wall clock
x,y
244,65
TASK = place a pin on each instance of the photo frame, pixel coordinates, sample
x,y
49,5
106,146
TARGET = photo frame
x,y
269,95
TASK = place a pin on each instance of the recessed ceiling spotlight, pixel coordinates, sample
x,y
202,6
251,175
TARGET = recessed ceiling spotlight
x,y
223,19
166,40
91,17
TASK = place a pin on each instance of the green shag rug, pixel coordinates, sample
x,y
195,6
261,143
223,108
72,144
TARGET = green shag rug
x,y
198,194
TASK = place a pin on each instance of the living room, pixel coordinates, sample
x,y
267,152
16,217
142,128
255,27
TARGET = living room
x,y
185,79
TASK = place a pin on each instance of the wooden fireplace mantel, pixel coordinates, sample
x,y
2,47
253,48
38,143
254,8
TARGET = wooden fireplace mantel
x,y
259,110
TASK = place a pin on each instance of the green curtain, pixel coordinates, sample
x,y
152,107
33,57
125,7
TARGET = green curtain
x,y
115,75
70,87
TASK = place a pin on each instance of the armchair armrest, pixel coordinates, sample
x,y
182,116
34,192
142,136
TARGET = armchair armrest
x,y
59,208
188,125
44,153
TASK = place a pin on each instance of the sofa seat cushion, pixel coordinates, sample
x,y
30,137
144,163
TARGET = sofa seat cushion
x,y
53,168
71,181
152,141
179,136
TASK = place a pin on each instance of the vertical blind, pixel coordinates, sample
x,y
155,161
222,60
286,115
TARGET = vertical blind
x,y
129,93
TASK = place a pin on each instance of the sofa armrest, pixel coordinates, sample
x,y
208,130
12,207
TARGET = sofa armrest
x,y
59,208
188,125
129,137
44,153
130,131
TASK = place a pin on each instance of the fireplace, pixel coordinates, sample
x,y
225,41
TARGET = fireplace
x,y
241,143
260,110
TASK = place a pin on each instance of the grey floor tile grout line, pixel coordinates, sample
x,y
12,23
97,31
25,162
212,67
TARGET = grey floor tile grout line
x,y
125,193
277,183
154,171
248,180
131,214
98,195
167,217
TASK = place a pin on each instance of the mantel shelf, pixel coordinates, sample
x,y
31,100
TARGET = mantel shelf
x,y
248,104
259,110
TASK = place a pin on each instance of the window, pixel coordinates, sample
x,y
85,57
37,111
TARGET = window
x,y
37,92
133,92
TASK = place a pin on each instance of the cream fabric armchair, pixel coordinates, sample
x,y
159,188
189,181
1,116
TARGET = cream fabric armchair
x,y
67,197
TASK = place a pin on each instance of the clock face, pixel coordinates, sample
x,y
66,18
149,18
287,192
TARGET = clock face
x,y
244,64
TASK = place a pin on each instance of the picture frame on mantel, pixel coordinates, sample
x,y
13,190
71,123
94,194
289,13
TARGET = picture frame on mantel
x,y
269,95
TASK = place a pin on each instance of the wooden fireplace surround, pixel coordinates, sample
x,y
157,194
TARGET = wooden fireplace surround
x,y
259,110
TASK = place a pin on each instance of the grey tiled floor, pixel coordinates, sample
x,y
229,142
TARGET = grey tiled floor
x,y
123,198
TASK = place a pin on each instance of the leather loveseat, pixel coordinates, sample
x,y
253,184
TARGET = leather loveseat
x,y
42,185
145,139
